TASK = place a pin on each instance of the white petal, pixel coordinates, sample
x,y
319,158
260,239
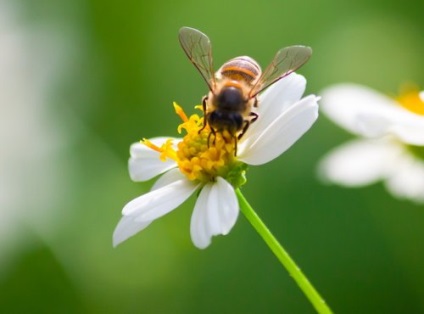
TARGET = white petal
x,y
199,228
215,212
407,127
223,206
283,132
359,162
126,228
343,103
346,104
167,178
157,203
145,164
407,179
275,100
410,132
366,112
140,212
282,94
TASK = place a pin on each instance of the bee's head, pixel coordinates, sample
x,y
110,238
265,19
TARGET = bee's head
x,y
221,120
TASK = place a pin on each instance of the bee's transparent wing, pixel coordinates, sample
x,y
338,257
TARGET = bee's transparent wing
x,y
198,48
286,61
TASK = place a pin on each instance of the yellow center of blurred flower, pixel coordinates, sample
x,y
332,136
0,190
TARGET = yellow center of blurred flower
x,y
201,155
413,101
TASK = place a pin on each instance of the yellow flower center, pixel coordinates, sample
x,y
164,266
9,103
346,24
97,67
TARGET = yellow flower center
x,y
202,155
413,101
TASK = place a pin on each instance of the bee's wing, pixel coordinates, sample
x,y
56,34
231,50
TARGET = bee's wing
x,y
286,61
198,49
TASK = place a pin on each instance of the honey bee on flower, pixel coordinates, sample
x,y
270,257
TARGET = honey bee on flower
x,y
234,88
216,167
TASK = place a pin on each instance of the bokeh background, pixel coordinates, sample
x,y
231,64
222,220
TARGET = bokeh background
x,y
81,80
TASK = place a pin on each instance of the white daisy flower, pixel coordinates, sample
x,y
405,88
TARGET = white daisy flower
x,y
190,164
391,143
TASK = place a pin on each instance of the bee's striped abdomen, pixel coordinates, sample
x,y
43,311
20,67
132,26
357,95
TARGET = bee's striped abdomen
x,y
241,69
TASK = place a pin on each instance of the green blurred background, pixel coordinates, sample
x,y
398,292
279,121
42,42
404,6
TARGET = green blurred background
x,y
82,80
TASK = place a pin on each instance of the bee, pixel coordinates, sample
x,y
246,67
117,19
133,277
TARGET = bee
x,y
234,88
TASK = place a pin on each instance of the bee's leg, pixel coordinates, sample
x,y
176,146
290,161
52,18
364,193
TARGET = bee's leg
x,y
237,138
247,123
205,116
214,136
255,104
245,127
254,115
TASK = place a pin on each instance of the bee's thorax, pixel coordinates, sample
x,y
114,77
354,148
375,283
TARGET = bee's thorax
x,y
230,99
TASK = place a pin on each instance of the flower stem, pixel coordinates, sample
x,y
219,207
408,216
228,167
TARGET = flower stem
x,y
285,259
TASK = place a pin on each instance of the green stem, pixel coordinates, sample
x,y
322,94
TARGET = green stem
x,y
285,259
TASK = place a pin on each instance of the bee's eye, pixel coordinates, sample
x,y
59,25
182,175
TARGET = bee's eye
x,y
230,99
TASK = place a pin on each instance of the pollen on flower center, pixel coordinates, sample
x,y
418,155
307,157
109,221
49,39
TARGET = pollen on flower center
x,y
203,155
413,101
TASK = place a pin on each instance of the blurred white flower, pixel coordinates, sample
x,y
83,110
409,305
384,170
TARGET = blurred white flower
x,y
390,147
30,137
190,164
